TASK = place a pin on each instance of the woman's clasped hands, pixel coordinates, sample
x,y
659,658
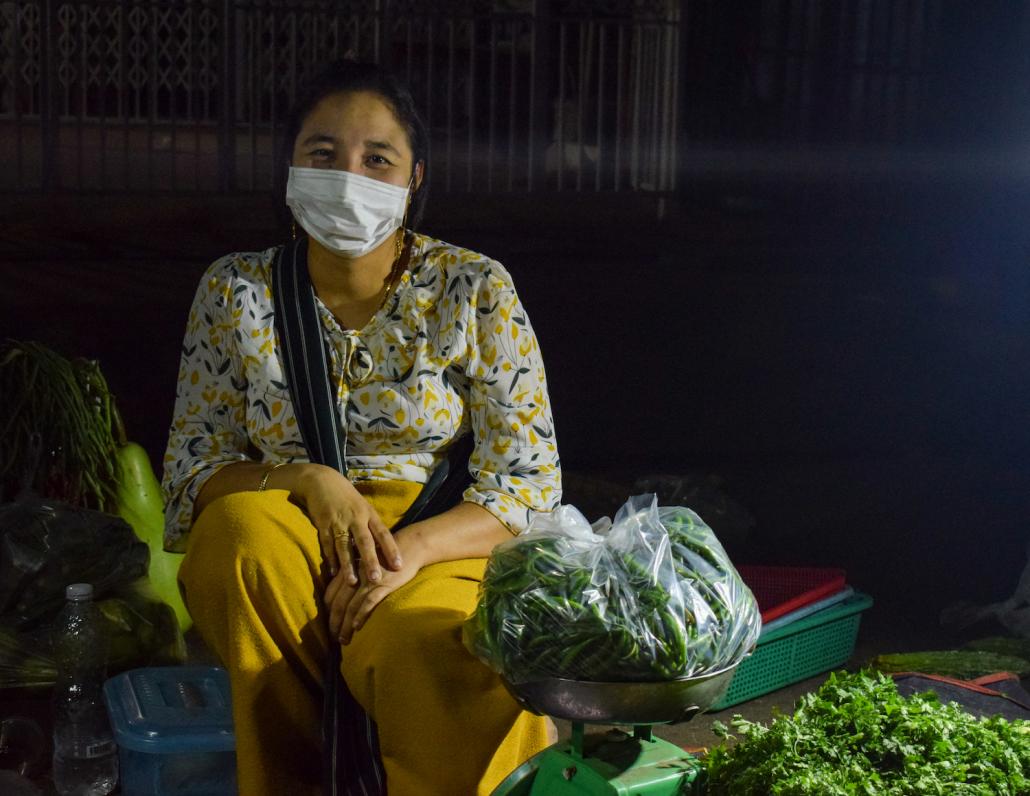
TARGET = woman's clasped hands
x,y
350,604
366,562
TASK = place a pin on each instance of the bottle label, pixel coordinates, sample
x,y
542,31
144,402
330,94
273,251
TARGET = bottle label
x,y
99,749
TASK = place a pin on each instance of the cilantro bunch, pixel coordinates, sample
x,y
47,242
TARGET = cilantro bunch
x,y
857,735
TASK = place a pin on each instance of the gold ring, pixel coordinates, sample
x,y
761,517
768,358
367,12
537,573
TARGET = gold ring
x,y
345,535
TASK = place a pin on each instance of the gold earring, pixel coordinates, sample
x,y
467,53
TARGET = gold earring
x,y
293,228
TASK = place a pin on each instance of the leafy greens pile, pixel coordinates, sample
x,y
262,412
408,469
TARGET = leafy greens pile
x,y
857,735
652,596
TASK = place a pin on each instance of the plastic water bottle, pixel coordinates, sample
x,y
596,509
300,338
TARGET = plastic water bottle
x,y
85,757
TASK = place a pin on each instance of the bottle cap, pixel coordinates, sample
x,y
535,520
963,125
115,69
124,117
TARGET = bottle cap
x,y
79,592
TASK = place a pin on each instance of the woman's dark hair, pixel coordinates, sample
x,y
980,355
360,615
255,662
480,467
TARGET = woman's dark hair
x,y
342,77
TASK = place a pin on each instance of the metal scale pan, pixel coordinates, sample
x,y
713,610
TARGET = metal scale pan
x,y
616,763
666,702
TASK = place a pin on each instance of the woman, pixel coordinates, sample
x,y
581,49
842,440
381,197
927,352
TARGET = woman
x,y
426,342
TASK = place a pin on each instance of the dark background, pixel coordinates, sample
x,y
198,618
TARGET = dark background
x,y
836,334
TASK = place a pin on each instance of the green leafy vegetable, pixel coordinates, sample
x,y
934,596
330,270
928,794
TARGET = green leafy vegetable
x,y
25,659
857,735
57,431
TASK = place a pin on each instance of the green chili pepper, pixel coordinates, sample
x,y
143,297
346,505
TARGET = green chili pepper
x,y
562,606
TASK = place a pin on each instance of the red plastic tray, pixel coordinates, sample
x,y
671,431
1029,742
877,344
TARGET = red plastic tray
x,y
780,590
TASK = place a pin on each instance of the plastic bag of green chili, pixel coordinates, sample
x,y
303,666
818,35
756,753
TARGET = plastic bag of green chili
x,y
649,596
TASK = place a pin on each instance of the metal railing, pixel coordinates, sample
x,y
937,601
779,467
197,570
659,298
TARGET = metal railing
x,y
189,95
519,95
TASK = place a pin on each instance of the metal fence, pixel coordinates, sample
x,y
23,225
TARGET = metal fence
x,y
519,95
189,95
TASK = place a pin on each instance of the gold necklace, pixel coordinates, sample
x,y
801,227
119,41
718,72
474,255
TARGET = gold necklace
x,y
395,270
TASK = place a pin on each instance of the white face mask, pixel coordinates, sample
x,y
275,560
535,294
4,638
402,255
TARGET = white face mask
x,y
347,213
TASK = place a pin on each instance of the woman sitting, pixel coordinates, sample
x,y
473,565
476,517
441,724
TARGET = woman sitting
x,y
284,557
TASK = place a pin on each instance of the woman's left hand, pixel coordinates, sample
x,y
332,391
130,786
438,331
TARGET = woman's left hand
x,y
350,605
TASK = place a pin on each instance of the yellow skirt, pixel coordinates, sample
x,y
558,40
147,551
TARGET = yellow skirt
x,y
253,584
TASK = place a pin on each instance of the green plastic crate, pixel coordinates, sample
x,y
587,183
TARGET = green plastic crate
x,y
797,651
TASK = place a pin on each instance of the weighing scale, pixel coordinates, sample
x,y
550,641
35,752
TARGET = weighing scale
x,y
616,762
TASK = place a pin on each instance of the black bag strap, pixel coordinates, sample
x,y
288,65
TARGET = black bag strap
x,y
351,760
305,364
350,743
446,483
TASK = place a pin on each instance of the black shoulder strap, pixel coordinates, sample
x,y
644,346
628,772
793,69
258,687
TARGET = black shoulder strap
x,y
350,743
351,759
305,364
446,483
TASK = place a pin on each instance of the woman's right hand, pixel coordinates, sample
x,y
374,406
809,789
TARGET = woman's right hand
x,y
350,532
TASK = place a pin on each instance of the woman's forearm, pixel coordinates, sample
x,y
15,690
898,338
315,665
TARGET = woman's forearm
x,y
246,477
465,531
346,524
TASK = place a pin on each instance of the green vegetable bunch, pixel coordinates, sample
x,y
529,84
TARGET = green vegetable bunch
x,y
857,735
58,427
639,603
963,664
25,660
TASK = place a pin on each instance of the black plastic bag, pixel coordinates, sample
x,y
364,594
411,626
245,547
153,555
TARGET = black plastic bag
x,y
46,544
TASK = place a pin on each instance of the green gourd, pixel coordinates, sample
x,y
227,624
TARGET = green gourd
x,y
138,502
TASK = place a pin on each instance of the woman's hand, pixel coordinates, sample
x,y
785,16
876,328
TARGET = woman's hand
x,y
464,531
354,540
349,529
350,603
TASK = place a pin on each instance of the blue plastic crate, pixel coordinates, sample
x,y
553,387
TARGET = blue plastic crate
x,y
173,726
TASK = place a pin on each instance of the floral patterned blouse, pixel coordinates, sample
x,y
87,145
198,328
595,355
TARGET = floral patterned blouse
x,y
452,350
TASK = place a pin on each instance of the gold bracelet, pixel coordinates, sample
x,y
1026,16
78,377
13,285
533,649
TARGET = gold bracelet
x,y
264,479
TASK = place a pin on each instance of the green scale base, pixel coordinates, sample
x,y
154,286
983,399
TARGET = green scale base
x,y
614,762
